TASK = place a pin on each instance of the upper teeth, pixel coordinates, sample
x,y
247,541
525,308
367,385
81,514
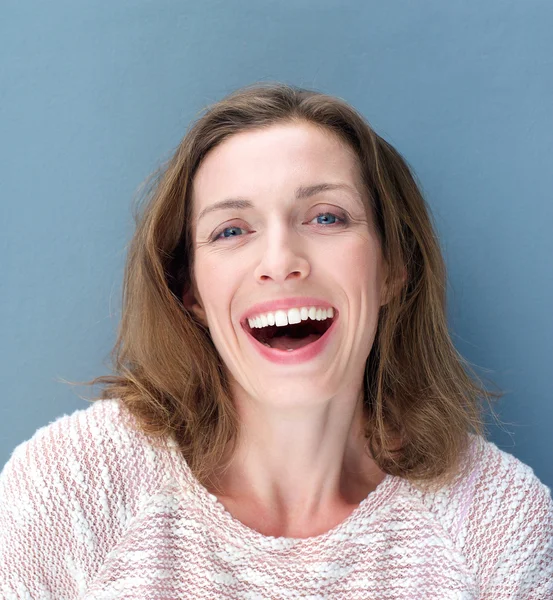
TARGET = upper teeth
x,y
280,318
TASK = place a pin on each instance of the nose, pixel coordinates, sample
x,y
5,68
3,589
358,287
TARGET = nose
x,y
283,256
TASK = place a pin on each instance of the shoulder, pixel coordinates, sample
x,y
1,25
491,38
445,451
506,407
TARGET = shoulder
x,y
508,528
70,491
490,480
501,484
89,425
499,515
95,445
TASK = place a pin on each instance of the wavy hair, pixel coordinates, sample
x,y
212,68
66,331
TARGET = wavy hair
x,y
421,397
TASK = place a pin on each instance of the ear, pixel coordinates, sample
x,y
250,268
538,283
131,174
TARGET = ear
x,y
191,303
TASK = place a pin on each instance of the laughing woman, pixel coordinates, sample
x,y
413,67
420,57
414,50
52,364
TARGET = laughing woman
x,y
288,416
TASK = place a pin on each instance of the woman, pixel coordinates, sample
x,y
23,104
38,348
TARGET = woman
x,y
288,417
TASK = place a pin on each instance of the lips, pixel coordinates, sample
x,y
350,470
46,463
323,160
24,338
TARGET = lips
x,y
298,356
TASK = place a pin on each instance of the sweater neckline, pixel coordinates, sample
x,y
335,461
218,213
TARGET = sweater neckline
x,y
239,533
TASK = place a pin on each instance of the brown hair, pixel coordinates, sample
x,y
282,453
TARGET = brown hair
x,y
421,398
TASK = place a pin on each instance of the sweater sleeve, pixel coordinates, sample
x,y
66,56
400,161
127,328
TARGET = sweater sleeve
x,y
517,536
59,508
35,523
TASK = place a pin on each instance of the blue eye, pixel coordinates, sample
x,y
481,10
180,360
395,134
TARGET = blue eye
x,y
217,235
326,215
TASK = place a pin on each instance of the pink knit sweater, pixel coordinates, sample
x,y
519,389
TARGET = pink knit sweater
x,y
89,508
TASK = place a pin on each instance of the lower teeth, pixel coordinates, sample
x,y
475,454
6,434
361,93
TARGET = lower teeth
x,y
268,346
289,344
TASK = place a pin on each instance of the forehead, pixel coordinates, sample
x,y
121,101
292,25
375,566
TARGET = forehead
x,y
279,157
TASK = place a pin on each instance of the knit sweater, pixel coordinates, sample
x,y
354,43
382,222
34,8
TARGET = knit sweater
x,y
91,508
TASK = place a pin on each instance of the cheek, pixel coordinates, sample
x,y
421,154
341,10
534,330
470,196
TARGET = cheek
x,y
360,262
215,283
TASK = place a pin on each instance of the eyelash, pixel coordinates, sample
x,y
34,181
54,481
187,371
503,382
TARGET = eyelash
x,y
344,221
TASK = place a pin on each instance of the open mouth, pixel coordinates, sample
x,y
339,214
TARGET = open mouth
x,y
291,337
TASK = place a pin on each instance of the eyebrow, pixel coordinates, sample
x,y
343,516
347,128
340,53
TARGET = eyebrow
x,y
301,193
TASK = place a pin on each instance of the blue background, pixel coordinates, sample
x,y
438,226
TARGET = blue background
x,y
94,96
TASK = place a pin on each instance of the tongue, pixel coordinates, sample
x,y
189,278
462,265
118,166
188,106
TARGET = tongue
x,y
289,343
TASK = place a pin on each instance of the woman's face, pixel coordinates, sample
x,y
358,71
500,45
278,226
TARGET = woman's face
x,y
286,239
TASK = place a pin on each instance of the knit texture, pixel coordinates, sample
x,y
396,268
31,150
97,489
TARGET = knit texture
x,y
91,508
